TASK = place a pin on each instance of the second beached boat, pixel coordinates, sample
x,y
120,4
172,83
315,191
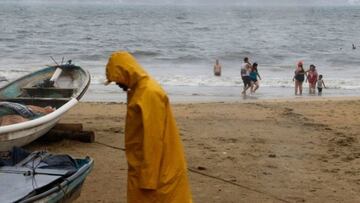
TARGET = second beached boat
x,y
41,176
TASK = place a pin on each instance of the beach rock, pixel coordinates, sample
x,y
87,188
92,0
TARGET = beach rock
x,y
272,155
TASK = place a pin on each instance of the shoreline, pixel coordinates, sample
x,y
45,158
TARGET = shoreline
x,y
247,101
200,94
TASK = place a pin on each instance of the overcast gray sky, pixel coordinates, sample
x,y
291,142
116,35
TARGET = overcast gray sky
x,y
210,2
248,2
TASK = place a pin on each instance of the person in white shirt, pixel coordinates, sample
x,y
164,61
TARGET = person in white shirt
x,y
245,75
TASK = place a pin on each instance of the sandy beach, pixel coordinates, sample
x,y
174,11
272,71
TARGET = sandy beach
x,y
270,146
297,150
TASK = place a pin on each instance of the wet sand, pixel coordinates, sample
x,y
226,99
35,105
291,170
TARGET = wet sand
x,y
261,151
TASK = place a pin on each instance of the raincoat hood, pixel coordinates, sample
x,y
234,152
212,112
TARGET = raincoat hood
x,y
123,68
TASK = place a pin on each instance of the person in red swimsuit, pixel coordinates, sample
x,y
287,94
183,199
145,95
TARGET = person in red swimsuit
x,y
312,77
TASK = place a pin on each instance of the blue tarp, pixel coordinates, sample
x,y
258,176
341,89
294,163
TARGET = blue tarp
x,y
43,160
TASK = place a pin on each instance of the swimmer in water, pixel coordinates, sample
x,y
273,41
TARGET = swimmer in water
x,y
217,68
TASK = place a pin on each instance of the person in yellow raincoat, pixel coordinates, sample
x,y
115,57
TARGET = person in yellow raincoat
x,y
157,170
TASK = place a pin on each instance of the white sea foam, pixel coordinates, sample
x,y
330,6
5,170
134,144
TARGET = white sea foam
x,y
234,81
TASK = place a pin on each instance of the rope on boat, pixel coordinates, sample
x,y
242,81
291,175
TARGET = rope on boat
x,y
213,177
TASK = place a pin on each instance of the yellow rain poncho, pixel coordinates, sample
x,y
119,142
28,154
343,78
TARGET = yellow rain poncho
x,y
157,167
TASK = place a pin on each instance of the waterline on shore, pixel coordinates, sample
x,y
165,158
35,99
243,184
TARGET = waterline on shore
x,y
188,94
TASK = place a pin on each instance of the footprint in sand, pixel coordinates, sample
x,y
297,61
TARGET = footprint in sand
x,y
259,140
345,141
296,199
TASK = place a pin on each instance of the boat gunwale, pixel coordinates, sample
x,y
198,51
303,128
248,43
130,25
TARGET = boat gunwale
x,y
39,121
25,76
68,182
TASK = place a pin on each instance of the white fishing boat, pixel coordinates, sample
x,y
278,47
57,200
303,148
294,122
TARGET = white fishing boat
x,y
60,87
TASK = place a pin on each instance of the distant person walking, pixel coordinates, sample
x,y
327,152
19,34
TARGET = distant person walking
x,y
353,46
245,75
254,74
320,85
312,77
217,68
299,78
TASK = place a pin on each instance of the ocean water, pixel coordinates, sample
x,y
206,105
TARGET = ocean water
x,y
178,45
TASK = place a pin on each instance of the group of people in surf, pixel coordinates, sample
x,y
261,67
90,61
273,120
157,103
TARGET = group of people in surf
x,y
311,76
249,75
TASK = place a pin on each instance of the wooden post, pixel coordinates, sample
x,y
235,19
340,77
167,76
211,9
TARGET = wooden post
x,y
73,131
77,127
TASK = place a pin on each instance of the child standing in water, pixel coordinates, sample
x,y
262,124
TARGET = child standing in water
x,y
254,74
320,85
312,77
